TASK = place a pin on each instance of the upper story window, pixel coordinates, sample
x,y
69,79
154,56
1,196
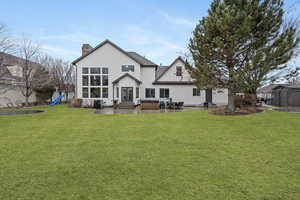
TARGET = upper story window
x,y
178,71
95,70
104,70
85,80
95,81
150,93
127,68
85,70
164,93
196,92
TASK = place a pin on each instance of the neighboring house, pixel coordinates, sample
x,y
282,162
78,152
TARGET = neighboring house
x,y
280,94
112,74
265,92
11,80
286,95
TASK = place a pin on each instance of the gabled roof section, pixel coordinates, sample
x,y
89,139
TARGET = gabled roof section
x,y
10,60
126,75
270,88
163,69
174,83
133,55
142,60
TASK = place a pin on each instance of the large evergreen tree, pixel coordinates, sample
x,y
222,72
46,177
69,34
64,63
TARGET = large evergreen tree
x,y
239,44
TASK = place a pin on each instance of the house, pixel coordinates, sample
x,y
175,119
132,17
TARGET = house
x,y
109,73
265,92
11,74
286,95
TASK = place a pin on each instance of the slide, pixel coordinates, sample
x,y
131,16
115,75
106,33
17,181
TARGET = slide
x,y
56,101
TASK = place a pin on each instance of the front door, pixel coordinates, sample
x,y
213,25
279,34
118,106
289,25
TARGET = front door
x,y
127,94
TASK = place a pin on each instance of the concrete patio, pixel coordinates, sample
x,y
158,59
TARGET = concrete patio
x,y
111,111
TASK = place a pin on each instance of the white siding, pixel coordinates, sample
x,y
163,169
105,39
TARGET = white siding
x,y
220,96
112,58
13,96
170,75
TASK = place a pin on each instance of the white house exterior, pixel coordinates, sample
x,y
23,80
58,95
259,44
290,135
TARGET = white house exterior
x,y
111,74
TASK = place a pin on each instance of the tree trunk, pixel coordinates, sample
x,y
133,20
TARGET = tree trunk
x,y
27,101
208,96
231,105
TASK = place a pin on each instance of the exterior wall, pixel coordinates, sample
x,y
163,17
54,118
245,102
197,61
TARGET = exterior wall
x,y
127,82
220,96
170,75
110,57
13,96
148,76
181,93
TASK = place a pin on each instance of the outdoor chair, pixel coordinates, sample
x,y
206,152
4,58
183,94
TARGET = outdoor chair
x,y
162,105
179,105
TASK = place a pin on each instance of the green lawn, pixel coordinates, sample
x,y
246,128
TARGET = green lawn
x,y
68,153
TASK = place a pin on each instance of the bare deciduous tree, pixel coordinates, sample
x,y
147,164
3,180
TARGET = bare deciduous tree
x,y
62,73
6,46
30,52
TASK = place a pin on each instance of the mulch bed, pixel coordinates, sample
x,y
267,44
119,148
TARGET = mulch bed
x,y
239,111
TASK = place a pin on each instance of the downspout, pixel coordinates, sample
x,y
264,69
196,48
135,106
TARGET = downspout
x,y
76,88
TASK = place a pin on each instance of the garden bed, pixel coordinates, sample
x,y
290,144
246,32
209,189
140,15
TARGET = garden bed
x,y
239,111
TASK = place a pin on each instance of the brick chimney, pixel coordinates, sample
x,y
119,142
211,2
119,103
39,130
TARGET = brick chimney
x,y
86,48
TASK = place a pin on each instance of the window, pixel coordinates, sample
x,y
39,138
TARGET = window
x,y
85,80
104,92
105,80
127,68
178,71
150,93
164,92
95,70
95,92
104,70
137,92
196,92
85,70
130,68
95,80
85,92
117,92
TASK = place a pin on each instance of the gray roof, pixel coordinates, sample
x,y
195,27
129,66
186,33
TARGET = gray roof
x,y
141,59
161,70
125,75
269,88
7,60
133,55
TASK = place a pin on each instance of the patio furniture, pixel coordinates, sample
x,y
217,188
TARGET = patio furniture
x,y
162,105
150,105
171,105
179,105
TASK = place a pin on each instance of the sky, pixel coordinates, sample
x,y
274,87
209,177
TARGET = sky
x,y
157,29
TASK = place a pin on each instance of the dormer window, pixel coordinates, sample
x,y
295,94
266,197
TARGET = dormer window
x,y
127,68
178,71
